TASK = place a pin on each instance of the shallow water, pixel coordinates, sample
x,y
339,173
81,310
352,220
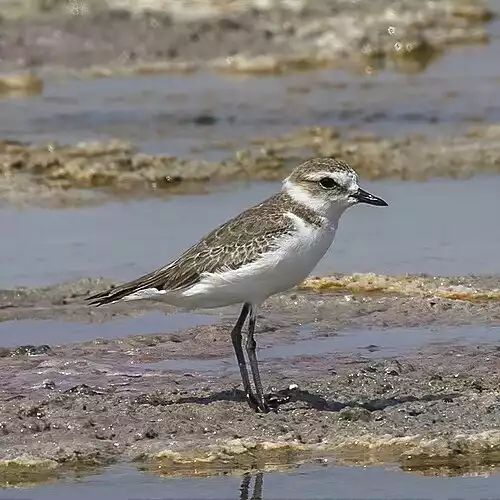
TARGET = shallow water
x,y
173,114
445,227
306,482
15,333
367,343
373,343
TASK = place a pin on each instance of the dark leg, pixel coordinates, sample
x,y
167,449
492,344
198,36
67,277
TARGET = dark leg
x,y
245,486
254,364
238,349
257,488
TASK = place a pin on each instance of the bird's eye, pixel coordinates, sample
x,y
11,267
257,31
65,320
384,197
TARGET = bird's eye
x,y
327,182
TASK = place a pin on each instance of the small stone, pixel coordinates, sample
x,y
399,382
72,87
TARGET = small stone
x,y
48,384
31,350
104,433
355,414
151,433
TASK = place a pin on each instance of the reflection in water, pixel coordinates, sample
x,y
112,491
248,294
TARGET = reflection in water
x,y
480,466
451,470
257,487
124,481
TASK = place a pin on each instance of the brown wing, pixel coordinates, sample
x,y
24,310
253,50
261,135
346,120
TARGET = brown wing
x,y
240,240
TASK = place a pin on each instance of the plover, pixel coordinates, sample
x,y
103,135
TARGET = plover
x,y
266,249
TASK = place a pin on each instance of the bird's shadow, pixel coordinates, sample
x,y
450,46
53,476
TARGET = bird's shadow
x,y
317,401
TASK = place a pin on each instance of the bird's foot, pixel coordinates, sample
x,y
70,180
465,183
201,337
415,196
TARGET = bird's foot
x,y
277,398
256,405
270,402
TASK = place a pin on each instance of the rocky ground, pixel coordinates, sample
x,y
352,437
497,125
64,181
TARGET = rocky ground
x,y
95,402
52,173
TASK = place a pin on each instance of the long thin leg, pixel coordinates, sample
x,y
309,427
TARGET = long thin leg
x,y
238,349
245,486
257,487
254,364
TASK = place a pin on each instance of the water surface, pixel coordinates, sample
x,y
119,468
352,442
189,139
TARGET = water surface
x,y
444,227
175,114
307,482
52,332
370,343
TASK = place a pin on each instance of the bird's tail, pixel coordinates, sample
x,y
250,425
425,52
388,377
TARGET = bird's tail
x,y
109,296
122,291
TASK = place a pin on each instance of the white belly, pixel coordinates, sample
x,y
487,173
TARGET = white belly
x,y
275,272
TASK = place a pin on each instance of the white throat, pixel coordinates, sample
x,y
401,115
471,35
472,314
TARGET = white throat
x,y
330,210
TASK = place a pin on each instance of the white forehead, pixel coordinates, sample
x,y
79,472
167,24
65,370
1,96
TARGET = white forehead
x,y
347,179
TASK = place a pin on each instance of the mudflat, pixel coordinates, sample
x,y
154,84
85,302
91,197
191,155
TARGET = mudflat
x,y
370,368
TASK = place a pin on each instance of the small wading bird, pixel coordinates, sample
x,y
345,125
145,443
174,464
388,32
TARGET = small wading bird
x,y
267,249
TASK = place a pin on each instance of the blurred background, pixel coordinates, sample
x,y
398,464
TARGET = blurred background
x,y
128,128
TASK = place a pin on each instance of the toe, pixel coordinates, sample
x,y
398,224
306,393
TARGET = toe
x,y
278,398
264,407
252,402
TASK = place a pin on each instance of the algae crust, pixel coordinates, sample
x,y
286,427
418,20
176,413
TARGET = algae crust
x,y
409,285
243,455
227,457
22,471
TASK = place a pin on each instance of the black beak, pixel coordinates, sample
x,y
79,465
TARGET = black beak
x,y
365,197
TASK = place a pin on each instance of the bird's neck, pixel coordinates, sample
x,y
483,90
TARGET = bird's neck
x,y
329,211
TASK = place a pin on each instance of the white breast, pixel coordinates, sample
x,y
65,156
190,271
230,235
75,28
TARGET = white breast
x,y
275,272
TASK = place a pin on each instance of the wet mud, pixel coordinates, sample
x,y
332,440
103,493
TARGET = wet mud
x,y
172,402
241,36
91,172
